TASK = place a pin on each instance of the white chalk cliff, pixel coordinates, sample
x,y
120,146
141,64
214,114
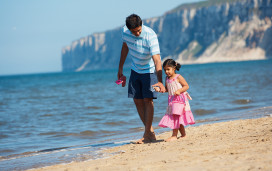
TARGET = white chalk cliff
x,y
209,31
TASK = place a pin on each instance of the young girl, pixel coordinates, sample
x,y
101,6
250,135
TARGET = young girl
x,y
178,112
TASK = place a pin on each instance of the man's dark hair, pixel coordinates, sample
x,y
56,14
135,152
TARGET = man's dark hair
x,y
133,21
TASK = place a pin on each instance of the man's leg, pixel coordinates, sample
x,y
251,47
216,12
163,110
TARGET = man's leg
x,y
145,110
139,103
149,113
140,90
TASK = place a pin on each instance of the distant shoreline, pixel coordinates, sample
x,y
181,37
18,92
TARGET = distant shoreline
x,y
126,68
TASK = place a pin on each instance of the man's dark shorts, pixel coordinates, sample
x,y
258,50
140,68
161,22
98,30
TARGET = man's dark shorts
x,y
140,85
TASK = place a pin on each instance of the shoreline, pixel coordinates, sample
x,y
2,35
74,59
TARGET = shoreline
x,y
232,145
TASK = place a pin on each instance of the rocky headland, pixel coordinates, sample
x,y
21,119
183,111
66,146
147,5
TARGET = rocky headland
x,y
207,31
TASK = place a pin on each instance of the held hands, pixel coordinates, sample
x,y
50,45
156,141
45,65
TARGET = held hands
x,y
159,87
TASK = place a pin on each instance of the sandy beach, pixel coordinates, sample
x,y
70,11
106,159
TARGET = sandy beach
x,y
232,145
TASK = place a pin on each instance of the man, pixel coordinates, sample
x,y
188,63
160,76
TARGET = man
x,y
141,44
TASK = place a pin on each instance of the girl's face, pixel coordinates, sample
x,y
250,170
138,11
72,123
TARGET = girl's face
x,y
169,71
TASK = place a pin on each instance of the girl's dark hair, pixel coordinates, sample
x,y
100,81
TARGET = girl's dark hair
x,y
171,63
133,21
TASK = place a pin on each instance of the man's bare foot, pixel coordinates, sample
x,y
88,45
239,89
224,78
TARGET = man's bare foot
x,y
150,137
173,138
140,141
144,140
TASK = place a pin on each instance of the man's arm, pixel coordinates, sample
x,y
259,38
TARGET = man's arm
x,y
158,66
123,58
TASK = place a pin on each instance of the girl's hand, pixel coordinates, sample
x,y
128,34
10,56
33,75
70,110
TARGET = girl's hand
x,y
157,89
177,93
184,84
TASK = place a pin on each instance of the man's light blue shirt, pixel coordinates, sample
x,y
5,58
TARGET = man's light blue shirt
x,y
141,49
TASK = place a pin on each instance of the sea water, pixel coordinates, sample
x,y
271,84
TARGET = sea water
x,y
55,118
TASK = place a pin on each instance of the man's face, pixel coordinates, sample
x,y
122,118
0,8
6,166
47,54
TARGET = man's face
x,y
137,31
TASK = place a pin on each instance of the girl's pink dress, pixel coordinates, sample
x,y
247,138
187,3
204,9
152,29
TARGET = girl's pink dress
x,y
178,110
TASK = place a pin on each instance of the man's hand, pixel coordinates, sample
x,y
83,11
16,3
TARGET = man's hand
x,y
158,66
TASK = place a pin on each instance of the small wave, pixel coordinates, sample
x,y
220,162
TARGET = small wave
x,y
84,134
242,101
244,107
88,133
32,153
3,136
115,123
2,123
137,129
204,112
52,149
92,133
53,133
63,149
94,107
6,151
15,156
67,113
94,113
47,115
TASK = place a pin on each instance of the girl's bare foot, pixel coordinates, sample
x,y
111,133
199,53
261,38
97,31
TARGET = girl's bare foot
x,y
173,138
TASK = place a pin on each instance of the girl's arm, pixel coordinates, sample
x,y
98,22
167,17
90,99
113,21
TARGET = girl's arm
x,y
166,89
184,84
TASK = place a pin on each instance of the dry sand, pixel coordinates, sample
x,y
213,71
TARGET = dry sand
x,y
233,145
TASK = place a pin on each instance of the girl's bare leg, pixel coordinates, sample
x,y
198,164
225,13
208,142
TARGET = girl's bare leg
x,y
182,131
174,136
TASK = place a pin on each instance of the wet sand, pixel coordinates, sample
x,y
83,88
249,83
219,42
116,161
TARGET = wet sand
x,y
233,145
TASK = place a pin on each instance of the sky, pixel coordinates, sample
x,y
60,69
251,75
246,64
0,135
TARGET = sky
x,y
33,32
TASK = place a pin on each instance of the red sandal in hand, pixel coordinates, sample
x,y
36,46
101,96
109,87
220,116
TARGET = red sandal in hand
x,y
122,80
